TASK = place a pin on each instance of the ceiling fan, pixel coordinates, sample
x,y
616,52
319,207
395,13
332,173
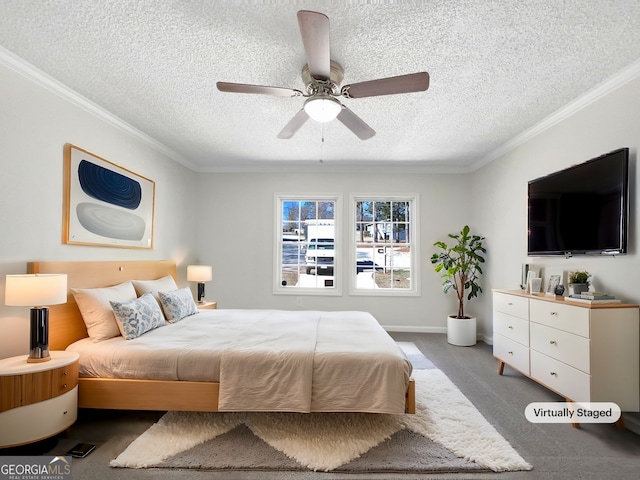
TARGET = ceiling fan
x,y
322,77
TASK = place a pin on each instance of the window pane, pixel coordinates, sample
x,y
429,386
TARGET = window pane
x,y
325,210
383,211
290,211
307,210
400,211
364,211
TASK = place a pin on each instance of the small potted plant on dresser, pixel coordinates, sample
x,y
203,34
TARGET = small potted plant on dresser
x,y
578,282
460,267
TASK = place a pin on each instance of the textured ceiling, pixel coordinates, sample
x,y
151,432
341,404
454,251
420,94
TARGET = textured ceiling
x,y
497,69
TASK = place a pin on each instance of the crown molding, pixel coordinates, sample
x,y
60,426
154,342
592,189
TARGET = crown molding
x,y
614,82
20,66
30,72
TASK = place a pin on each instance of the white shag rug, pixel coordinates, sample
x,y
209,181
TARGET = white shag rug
x,y
327,441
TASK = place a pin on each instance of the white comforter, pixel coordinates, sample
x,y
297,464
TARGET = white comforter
x,y
266,360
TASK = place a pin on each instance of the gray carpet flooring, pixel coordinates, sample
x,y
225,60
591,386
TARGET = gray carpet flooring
x,y
556,451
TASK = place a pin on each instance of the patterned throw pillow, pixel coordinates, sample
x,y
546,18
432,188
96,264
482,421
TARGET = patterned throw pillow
x,y
138,316
177,304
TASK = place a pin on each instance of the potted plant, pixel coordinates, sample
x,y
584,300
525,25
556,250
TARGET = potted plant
x,y
578,282
459,265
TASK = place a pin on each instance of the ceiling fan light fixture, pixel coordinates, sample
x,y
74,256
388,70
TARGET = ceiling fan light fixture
x,y
322,108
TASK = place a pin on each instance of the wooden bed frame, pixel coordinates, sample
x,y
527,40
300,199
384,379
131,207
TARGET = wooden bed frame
x,y
66,326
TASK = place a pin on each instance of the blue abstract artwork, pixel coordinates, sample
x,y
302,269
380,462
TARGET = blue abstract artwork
x,y
106,204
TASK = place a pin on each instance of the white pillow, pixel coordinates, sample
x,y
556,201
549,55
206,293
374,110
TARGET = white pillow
x,y
177,304
96,310
164,284
138,316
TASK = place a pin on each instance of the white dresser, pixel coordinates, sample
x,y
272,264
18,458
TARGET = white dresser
x,y
586,353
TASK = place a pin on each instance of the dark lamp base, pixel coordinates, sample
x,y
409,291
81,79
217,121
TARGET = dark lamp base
x,y
39,338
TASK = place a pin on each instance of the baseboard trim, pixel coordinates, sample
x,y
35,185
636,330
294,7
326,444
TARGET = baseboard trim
x,y
632,421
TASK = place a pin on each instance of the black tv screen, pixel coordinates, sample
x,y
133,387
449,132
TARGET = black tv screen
x,y
581,210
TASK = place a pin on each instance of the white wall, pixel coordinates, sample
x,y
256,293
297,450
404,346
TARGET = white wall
x,y
34,125
501,191
236,231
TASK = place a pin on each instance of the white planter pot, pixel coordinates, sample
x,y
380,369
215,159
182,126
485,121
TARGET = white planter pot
x,y
461,331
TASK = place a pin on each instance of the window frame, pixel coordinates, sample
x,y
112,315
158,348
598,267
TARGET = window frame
x,y
414,227
336,290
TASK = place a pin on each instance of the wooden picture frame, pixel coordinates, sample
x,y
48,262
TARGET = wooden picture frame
x,y
105,204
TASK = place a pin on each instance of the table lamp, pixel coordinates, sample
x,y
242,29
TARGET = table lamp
x,y
200,274
37,291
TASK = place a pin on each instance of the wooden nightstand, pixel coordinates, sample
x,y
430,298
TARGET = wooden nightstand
x,y
37,400
207,305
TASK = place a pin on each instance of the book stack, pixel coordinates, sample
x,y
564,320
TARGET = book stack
x,y
594,298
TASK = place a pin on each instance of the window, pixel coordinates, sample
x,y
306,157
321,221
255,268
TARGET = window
x,y
384,247
307,253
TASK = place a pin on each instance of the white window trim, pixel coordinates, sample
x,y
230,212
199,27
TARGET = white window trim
x,y
277,254
414,291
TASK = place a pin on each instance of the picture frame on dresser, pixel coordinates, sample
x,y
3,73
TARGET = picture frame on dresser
x,y
553,280
105,204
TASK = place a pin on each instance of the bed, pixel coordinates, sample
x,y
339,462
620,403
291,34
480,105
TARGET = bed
x,y
339,375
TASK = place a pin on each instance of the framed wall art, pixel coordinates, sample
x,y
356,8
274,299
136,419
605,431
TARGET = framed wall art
x,y
104,203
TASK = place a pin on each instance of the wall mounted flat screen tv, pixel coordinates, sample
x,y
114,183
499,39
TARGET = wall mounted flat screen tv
x,y
582,210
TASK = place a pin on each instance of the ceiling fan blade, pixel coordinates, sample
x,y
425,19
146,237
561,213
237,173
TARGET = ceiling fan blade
x,y
414,82
355,124
314,28
244,88
294,124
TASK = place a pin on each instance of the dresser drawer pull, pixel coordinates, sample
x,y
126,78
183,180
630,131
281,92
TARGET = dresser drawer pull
x,y
65,373
553,373
64,386
510,327
554,314
510,353
552,342
510,304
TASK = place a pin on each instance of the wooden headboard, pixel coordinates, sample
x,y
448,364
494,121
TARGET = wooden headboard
x,y
65,322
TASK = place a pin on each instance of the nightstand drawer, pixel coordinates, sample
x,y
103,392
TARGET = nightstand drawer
x,y
511,305
40,386
565,317
511,353
511,327
566,347
567,381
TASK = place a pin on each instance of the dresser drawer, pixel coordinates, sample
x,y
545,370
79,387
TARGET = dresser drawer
x,y
511,305
565,317
566,347
511,352
511,327
567,381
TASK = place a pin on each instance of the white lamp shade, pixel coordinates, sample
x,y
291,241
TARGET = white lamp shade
x,y
35,290
322,108
199,273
